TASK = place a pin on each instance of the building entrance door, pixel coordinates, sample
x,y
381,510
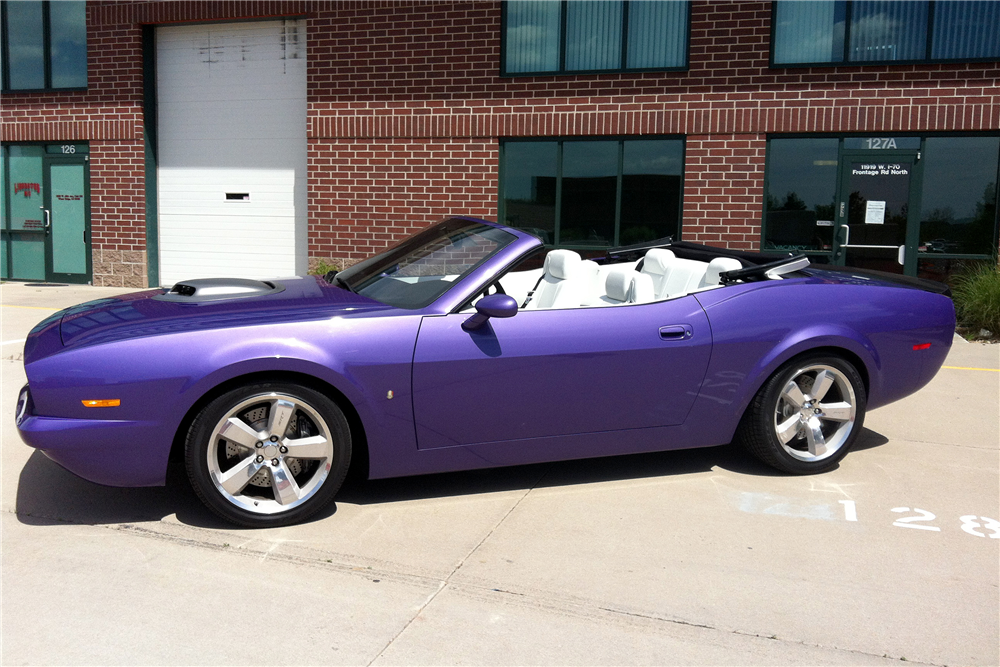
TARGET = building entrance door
x,y
876,222
66,225
46,213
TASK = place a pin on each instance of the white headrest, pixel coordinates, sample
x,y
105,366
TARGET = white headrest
x,y
718,266
562,264
618,283
657,261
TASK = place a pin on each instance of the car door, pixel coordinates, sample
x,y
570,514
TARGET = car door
x,y
548,373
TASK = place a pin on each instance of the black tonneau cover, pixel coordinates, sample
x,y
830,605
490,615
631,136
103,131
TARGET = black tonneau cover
x,y
894,278
696,251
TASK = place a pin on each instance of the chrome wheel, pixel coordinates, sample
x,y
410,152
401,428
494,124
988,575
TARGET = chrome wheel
x,y
806,416
815,413
270,453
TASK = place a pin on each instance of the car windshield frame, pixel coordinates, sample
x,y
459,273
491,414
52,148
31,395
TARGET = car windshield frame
x,y
404,276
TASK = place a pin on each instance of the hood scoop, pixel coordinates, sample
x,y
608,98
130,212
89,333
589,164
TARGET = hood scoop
x,y
219,289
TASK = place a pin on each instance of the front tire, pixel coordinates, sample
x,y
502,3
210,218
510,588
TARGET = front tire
x,y
807,416
268,454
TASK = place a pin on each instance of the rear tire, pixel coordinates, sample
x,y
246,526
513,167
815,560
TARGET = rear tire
x,y
268,454
807,416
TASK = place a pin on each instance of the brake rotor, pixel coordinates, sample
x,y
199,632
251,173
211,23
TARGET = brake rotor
x,y
257,419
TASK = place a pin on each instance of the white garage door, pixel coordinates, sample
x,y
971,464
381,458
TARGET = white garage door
x,y
231,102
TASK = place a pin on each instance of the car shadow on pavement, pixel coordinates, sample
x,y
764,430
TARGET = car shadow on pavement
x,y
48,495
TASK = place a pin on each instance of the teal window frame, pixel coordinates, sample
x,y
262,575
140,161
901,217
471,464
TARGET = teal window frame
x,y
561,142
47,53
561,69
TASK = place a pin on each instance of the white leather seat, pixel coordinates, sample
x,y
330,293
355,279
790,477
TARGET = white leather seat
x,y
716,267
642,289
626,285
656,264
590,282
561,285
682,276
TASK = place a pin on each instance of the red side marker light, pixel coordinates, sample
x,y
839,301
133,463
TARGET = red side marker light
x,y
922,346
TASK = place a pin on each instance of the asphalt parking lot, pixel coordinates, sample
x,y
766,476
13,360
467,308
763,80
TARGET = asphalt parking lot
x,y
700,557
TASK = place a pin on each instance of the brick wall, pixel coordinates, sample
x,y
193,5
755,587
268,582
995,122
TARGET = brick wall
x,y
405,110
402,71
724,189
118,213
366,194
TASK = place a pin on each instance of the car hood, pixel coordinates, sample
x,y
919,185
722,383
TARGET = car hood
x,y
157,312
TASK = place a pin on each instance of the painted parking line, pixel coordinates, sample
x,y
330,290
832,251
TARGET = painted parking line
x,y
10,305
966,368
11,342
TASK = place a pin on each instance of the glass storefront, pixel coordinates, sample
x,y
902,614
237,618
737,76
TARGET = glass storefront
x,y
593,194
44,213
906,204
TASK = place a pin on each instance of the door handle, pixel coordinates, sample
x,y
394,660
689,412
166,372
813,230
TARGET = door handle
x,y
676,332
847,235
48,219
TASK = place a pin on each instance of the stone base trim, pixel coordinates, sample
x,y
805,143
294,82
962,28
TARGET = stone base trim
x,y
120,268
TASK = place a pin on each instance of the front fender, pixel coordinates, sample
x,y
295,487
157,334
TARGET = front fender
x,y
160,379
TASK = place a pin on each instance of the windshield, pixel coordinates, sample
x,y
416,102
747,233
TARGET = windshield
x,y
420,269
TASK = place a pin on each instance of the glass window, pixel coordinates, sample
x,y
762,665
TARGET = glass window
x,y
25,45
46,45
68,22
532,34
593,194
657,34
801,191
651,190
25,187
24,227
966,29
883,30
529,182
807,32
958,210
423,267
593,35
589,193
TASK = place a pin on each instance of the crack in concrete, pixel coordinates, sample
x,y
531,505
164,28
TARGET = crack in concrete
x,y
743,633
458,566
537,599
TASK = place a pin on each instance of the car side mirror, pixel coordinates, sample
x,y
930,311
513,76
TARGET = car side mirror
x,y
494,305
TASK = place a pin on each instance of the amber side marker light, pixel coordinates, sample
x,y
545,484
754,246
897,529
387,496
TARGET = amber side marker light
x,y
922,346
103,403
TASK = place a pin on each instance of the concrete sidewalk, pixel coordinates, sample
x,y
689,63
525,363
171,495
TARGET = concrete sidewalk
x,y
702,557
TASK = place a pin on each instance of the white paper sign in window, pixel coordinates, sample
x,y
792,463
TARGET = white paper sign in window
x,y
875,214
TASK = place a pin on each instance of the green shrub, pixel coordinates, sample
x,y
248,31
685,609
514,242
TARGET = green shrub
x,y
322,268
977,298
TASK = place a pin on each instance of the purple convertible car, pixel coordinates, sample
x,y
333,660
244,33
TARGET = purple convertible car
x,y
470,346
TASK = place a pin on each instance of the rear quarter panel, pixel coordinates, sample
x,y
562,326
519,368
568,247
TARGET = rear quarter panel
x,y
759,326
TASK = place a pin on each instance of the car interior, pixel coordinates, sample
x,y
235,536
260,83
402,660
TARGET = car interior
x,y
566,280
